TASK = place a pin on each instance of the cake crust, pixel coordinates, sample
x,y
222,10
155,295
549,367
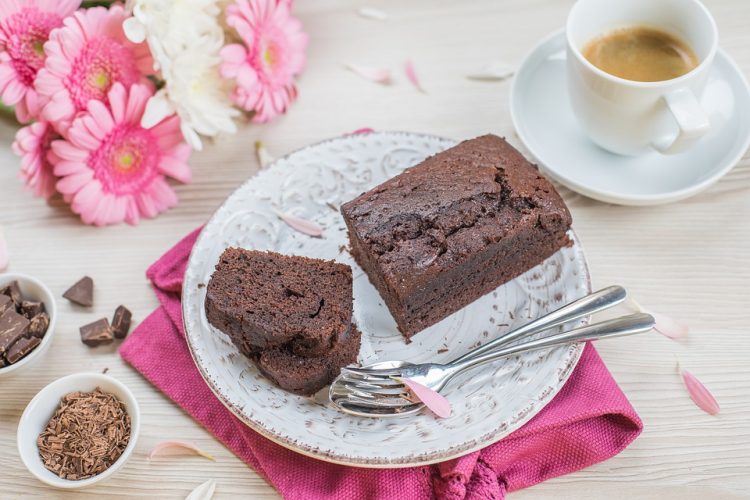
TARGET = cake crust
x,y
454,227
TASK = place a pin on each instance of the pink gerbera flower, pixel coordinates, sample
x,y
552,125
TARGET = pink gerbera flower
x,y
85,58
32,144
24,28
113,169
272,54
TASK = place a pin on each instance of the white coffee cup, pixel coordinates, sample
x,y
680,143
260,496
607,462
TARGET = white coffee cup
x,y
631,117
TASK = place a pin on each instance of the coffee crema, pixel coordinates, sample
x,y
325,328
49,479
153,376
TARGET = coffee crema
x,y
641,54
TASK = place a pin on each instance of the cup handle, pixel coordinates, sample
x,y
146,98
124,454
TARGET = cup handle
x,y
690,117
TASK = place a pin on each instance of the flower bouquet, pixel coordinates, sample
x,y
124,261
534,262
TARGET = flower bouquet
x,y
115,97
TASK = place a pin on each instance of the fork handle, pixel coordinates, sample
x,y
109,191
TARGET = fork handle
x,y
618,327
590,304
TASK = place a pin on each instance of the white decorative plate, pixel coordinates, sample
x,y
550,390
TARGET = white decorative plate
x,y
487,405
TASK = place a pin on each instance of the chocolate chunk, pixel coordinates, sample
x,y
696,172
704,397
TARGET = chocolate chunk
x,y
13,326
6,303
39,324
82,293
96,333
21,348
31,308
121,322
3,363
13,291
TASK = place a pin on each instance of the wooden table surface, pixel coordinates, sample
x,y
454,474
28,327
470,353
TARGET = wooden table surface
x,y
689,259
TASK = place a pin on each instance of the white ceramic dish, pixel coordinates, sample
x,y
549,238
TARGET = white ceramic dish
x,y
488,404
38,412
32,289
543,117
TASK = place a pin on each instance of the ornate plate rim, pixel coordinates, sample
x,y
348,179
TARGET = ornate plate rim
x,y
573,356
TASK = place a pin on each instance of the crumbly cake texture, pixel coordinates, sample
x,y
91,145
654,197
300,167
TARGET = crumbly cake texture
x,y
290,315
454,227
268,300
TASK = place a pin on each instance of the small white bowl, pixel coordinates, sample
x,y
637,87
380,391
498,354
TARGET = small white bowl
x,y
32,289
38,412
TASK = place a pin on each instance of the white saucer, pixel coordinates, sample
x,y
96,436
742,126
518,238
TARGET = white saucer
x,y
545,122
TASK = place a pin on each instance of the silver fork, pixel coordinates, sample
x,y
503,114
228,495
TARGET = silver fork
x,y
585,306
375,390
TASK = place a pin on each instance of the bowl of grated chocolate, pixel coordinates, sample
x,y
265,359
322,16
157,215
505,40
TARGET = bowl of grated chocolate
x,y
78,430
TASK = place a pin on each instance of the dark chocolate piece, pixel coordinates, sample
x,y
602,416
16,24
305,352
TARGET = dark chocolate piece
x,y
21,348
13,291
96,333
39,324
31,308
6,303
456,226
82,293
121,322
13,326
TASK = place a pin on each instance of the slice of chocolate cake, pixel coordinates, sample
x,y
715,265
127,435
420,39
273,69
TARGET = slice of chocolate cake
x,y
453,228
268,300
291,315
306,376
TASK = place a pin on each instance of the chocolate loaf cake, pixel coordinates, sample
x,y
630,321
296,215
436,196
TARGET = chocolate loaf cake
x,y
453,228
267,300
290,315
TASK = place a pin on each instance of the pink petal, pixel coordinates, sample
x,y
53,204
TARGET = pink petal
x,y
435,401
172,448
412,76
3,252
363,130
300,224
701,396
377,75
669,327
233,53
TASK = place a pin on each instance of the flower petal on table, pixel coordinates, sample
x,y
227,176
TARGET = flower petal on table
x,y
371,13
494,71
172,448
377,75
433,400
203,492
299,224
411,74
264,157
700,395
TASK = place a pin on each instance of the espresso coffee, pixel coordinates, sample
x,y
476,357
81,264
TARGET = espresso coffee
x,y
641,53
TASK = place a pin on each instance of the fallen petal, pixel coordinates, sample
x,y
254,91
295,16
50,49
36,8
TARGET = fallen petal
x,y
3,252
495,71
172,448
436,402
300,224
669,327
158,107
363,130
203,492
412,76
371,13
377,75
264,157
701,396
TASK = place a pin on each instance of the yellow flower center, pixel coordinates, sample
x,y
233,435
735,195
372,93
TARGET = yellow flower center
x,y
100,79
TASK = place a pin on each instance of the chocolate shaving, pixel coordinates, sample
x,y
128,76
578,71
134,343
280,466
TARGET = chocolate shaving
x,y
86,435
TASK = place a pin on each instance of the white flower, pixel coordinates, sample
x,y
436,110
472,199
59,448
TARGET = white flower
x,y
185,38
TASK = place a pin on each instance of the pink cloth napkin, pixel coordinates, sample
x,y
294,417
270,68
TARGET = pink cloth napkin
x,y
590,420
